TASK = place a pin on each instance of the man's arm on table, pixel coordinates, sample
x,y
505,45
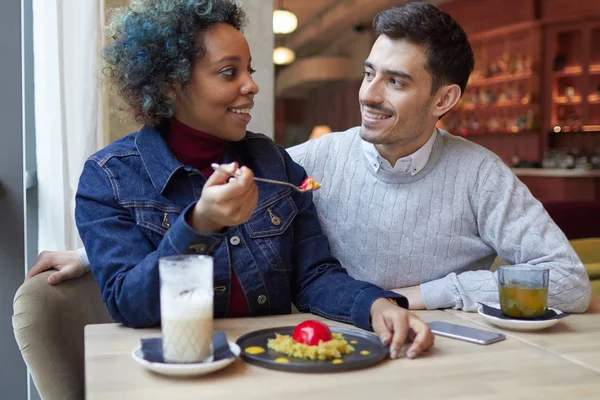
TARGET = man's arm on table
x,y
414,297
517,226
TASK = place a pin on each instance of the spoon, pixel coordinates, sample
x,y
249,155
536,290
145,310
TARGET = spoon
x,y
309,184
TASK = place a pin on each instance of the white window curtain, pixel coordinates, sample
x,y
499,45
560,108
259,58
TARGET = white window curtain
x,y
69,109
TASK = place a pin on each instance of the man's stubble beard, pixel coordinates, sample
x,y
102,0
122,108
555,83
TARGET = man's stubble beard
x,y
394,137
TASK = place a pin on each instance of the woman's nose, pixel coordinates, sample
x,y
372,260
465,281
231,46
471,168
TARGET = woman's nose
x,y
250,87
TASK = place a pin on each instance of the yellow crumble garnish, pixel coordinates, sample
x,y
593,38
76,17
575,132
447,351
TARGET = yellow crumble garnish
x,y
334,348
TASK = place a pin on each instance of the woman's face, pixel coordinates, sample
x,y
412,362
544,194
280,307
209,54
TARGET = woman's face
x,y
219,96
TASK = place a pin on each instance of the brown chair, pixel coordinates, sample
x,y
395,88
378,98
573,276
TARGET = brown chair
x,y
588,251
48,323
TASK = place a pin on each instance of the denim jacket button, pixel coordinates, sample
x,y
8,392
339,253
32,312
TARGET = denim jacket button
x,y
262,299
234,240
198,248
165,222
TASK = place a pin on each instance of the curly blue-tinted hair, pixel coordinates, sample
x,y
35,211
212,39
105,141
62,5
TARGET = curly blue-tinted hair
x,y
155,43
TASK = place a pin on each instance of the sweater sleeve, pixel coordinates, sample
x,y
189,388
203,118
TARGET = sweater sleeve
x,y
516,225
83,259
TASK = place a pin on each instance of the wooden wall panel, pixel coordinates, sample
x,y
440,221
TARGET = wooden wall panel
x,y
288,112
587,142
563,189
525,146
545,189
477,16
334,104
580,189
280,121
568,10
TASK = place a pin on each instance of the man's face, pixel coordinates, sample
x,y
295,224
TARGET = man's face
x,y
395,95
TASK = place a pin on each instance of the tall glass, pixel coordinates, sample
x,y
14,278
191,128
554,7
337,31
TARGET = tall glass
x,y
186,307
523,291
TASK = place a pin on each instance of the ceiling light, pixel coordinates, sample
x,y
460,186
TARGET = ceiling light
x,y
283,56
284,21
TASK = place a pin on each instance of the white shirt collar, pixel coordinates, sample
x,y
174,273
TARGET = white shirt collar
x,y
410,164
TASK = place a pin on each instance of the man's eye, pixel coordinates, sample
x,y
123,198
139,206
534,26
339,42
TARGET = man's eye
x,y
368,74
397,83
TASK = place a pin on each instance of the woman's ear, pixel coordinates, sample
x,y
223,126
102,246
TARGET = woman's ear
x,y
173,90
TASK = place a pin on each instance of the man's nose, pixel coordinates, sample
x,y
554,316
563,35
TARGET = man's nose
x,y
372,93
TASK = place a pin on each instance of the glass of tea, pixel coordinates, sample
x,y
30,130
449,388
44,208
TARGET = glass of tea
x,y
523,291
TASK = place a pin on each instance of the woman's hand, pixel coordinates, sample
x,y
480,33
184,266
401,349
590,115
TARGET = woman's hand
x,y
395,325
225,200
66,263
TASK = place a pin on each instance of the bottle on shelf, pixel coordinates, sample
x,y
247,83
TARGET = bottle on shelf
x,y
519,64
549,159
515,160
560,61
528,63
569,160
595,158
582,161
531,123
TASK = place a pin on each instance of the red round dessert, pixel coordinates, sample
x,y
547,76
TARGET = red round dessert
x,y
311,332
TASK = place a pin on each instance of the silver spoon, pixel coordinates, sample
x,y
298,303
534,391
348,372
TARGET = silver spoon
x,y
217,167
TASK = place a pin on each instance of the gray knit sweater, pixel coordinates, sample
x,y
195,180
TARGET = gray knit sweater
x,y
440,228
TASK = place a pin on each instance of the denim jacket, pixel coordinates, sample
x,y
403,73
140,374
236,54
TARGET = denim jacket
x,y
131,204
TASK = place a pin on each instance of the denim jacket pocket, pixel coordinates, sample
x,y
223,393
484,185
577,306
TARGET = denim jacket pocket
x,y
154,216
272,217
268,230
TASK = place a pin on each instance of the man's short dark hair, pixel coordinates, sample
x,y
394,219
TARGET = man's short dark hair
x,y
448,52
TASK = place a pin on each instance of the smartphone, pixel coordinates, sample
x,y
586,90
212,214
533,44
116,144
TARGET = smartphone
x,y
465,333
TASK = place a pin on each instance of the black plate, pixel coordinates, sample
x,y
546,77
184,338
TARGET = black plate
x,y
366,341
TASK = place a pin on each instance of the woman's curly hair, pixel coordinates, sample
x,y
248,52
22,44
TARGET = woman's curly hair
x,y
155,43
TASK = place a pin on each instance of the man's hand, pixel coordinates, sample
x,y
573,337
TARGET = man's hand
x,y
413,294
395,325
66,263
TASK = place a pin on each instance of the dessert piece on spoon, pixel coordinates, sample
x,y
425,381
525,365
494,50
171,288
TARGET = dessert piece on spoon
x,y
308,185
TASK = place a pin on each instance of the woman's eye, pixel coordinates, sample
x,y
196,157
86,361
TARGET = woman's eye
x,y
228,72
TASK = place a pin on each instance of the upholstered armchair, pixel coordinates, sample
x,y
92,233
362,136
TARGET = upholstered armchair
x,y
48,323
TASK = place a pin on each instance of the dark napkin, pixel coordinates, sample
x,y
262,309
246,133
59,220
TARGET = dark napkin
x,y
152,348
496,312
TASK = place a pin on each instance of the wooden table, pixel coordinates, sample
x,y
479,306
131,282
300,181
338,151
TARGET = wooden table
x,y
576,338
562,362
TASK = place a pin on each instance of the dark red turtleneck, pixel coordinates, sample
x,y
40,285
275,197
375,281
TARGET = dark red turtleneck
x,y
199,150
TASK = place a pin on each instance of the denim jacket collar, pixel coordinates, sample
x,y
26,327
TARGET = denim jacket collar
x,y
160,162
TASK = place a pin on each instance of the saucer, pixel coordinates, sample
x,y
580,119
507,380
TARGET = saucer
x,y
520,324
185,370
